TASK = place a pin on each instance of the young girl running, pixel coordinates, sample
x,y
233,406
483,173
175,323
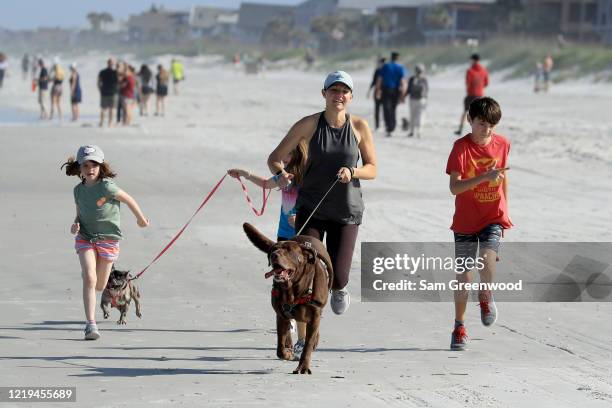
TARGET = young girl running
x,y
294,163
97,224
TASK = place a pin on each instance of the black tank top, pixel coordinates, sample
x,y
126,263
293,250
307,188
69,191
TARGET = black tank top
x,y
330,149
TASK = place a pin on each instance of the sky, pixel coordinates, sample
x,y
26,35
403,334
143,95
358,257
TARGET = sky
x,y
28,14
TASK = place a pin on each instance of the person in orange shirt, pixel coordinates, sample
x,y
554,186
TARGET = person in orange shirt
x,y
476,80
477,167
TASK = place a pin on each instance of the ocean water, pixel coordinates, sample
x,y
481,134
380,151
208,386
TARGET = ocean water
x,y
11,117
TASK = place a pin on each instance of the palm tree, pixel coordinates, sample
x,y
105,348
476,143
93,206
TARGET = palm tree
x,y
98,19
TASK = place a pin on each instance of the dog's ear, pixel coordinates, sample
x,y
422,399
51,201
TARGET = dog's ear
x,y
121,273
257,238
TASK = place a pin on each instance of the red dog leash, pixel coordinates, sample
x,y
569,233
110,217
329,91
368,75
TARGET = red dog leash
x,y
208,196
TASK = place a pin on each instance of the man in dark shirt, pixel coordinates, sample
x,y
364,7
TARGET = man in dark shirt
x,y
377,101
108,85
43,86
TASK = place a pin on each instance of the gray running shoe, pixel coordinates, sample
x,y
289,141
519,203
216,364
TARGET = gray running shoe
x,y
91,332
459,338
340,300
488,310
297,349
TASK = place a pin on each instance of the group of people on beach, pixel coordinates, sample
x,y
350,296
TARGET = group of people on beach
x,y
48,83
319,166
121,88
392,86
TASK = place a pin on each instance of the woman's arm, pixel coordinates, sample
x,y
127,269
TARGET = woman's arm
x,y
368,153
303,129
134,207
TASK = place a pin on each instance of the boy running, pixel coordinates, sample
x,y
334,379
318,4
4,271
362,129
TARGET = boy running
x,y
477,167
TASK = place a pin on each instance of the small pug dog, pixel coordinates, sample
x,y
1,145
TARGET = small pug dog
x,y
119,292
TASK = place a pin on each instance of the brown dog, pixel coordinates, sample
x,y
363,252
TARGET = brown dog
x,y
303,276
119,292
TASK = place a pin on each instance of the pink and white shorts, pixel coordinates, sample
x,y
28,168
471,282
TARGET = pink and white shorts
x,y
107,249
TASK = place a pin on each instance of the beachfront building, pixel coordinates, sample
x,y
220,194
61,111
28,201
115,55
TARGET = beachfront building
x,y
423,21
158,25
351,10
212,22
253,18
604,21
572,18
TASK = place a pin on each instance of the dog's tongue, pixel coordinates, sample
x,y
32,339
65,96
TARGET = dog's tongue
x,y
273,272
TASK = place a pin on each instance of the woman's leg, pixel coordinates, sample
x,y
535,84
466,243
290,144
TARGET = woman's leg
x,y
340,243
52,107
87,258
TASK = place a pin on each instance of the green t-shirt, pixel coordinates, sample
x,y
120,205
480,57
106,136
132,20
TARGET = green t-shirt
x,y
99,214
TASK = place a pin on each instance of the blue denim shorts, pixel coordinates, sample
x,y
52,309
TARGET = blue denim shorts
x,y
466,245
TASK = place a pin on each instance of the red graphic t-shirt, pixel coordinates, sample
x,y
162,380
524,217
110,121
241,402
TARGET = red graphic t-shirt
x,y
486,203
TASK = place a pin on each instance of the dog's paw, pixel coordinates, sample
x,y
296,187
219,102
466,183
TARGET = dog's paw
x,y
285,354
106,315
302,369
139,315
121,321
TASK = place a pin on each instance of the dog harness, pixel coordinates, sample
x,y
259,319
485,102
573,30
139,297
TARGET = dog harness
x,y
114,300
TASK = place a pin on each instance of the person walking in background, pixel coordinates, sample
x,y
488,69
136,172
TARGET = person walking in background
x,y
418,89
3,68
161,90
476,80
178,75
391,88
146,90
57,79
538,77
377,101
128,88
43,86
34,70
548,66
121,69
75,91
25,66
108,83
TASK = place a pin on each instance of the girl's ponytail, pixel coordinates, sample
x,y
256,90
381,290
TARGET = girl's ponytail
x,y
72,167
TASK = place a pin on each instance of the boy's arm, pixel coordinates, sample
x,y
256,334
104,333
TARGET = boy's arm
x,y
134,207
505,187
458,186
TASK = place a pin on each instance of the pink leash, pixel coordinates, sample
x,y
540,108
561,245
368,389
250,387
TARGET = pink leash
x,y
208,196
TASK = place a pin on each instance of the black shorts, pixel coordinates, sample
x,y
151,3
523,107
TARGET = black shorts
x,y
162,90
467,101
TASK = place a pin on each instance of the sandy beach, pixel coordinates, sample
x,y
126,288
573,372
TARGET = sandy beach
x,y
207,336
